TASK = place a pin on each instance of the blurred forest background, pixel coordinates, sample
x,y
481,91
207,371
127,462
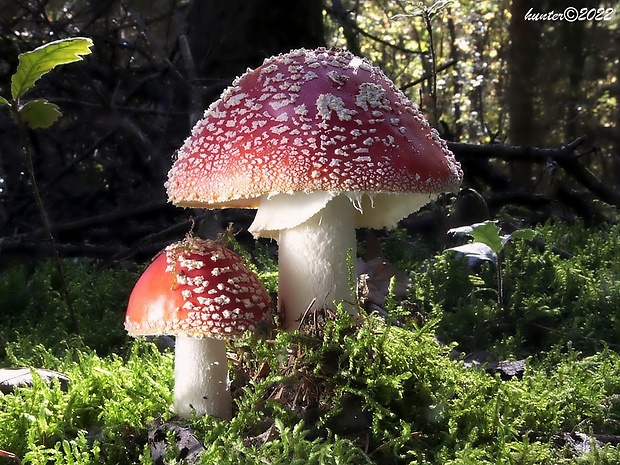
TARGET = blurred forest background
x,y
507,92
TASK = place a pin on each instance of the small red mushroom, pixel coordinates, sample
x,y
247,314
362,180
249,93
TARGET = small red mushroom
x,y
321,142
203,293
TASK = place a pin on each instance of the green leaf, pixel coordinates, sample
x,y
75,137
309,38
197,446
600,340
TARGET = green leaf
x,y
4,101
38,62
39,113
475,253
526,234
488,233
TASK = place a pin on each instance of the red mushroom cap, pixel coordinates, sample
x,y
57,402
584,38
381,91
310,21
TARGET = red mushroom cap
x,y
305,121
196,288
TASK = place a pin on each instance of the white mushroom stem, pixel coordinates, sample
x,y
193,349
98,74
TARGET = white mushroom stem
x,y
201,378
313,262
316,233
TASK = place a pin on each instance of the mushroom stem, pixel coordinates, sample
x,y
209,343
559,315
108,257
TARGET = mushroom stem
x,y
201,378
313,262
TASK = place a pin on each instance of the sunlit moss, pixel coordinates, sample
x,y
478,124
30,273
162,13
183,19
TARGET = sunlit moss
x,y
347,390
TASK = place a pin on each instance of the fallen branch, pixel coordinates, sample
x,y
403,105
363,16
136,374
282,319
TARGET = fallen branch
x,y
105,219
516,152
565,157
34,248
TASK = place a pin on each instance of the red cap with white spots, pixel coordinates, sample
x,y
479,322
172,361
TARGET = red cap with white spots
x,y
308,121
196,288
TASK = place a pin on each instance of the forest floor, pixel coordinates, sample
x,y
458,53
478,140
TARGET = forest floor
x,y
440,372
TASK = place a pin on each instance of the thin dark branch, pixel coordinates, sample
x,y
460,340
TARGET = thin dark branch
x,y
28,152
21,245
121,109
426,76
107,219
385,42
373,37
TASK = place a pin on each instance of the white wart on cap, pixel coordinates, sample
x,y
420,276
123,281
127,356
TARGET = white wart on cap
x,y
321,142
203,293
196,288
314,121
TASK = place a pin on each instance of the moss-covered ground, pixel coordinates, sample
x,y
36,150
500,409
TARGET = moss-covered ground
x,y
409,389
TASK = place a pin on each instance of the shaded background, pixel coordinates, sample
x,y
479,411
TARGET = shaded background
x,y
482,73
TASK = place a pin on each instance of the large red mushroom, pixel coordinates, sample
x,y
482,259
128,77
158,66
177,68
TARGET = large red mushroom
x,y
203,293
321,142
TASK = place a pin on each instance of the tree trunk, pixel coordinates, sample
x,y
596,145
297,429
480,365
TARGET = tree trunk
x,y
227,37
223,39
522,65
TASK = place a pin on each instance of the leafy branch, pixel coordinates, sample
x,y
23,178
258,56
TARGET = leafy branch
x,y
40,113
488,245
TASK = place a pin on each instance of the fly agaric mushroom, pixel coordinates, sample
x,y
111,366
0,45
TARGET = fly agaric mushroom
x,y
321,142
203,293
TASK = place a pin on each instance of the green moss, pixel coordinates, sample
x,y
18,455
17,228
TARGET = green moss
x,y
345,391
33,307
549,300
109,401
